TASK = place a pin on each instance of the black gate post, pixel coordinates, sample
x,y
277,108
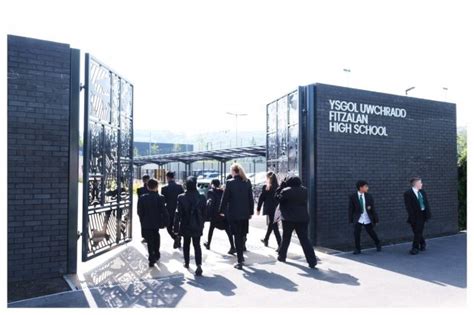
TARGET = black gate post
x,y
73,160
310,156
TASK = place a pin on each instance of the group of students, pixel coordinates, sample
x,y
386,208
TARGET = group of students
x,y
183,213
362,214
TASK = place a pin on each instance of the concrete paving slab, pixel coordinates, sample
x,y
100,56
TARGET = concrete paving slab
x,y
391,278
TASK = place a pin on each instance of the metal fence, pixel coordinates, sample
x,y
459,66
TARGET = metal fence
x,y
108,159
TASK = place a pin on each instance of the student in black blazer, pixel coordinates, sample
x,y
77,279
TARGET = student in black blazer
x,y
214,197
237,206
293,198
270,203
419,211
152,211
171,192
140,192
143,190
362,213
189,221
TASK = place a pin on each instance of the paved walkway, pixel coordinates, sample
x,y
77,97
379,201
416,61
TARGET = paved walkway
x,y
121,278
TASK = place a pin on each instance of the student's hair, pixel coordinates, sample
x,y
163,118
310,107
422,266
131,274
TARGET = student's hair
x,y
229,176
239,170
152,184
361,183
292,181
191,183
145,177
273,181
414,179
216,183
170,174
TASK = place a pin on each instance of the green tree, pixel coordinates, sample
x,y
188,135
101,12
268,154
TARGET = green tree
x,y
200,141
154,148
462,178
176,147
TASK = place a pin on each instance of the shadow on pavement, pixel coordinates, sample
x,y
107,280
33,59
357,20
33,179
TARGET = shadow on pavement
x,y
126,280
443,262
268,279
215,283
329,275
66,299
165,292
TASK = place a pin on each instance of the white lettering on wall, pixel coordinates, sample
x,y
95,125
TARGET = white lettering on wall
x,y
353,117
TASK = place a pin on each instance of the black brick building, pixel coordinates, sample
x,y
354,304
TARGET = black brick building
x,y
40,163
327,135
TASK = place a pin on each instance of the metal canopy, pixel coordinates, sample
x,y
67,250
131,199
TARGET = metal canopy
x,y
221,155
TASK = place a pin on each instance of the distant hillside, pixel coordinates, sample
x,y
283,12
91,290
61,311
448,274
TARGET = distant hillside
x,y
202,141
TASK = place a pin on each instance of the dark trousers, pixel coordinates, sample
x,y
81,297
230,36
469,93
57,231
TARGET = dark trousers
x,y
370,230
169,228
143,233
272,227
152,237
301,229
197,249
418,239
239,230
227,231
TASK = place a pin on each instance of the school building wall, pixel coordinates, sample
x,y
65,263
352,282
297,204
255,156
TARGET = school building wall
x,y
422,143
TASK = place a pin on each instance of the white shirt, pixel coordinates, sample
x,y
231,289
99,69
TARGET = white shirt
x,y
364,217
416,194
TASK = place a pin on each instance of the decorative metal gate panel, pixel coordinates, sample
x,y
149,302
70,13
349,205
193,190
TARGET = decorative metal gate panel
x,y
282,135
108,160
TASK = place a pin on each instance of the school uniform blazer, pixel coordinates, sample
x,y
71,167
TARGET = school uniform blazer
x,y
415,214
355,211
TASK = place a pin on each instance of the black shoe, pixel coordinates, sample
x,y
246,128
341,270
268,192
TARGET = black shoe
x,y
198,271
281,259
265,242
207,245
414,251
176,243
151,264
186,265
312,266
379,248
357,252
422,248
232,251
238,266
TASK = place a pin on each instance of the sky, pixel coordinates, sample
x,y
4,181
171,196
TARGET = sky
x,y
193,61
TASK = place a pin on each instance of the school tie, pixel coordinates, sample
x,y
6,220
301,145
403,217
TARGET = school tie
x,y
361,202
421,201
